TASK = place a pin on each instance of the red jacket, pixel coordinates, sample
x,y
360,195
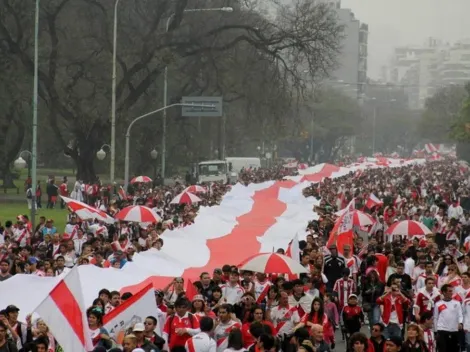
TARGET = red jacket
x,y
392,302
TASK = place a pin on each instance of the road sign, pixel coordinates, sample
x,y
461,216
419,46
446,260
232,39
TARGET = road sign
x,y
213,109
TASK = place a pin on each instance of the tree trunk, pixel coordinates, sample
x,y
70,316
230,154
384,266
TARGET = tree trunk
x,y
84,159
10,150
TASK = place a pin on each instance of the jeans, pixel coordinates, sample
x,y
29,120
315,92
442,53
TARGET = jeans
x,y
373,315
392,330
467,341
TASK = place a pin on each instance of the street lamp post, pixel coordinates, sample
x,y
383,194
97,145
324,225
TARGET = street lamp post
x,y
35,116
154,156
101,154
128,134
113,98
165,82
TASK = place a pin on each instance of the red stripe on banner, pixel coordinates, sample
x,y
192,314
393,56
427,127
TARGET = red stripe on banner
x,y
127,303
69,307
242,241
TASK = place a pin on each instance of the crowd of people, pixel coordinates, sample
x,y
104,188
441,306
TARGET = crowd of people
x,y
383,293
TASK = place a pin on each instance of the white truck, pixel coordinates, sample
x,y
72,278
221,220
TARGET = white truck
x,y
224,170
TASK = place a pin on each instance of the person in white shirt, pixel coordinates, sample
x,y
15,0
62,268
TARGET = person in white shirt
x,y
232,291
224,327
455,210
409,263
448,320
284,317
202,342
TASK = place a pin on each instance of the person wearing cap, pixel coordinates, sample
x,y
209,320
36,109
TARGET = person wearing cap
x,y
393,344
333,266
21,234
141,341
352,316
20,330
33,264
5,343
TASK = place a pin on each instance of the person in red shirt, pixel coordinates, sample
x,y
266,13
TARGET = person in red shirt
x,y
257,314
180,326
63,191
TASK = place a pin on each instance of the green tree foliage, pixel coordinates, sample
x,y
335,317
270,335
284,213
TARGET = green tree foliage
x,y
441,112
254,60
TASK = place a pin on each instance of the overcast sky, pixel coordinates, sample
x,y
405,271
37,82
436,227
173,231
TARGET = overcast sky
x,y
401,22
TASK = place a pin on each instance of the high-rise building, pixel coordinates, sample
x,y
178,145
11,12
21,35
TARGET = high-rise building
x,y
421,70
351,73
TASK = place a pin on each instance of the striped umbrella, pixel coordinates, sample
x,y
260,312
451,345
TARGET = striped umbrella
x,y
272,263
138,213
85,211
195,189
408,228
185,198
141,179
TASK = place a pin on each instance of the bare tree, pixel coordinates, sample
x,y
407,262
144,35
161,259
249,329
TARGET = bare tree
x,y
76,48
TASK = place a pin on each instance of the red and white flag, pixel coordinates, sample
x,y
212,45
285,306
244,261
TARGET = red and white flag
x,y
64,312
342,232
130,312
122,193
373,201
293,249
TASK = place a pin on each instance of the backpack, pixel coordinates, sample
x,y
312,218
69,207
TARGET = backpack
x,y
191,321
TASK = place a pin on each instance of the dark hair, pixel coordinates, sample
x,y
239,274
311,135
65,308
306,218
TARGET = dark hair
x,y
358,336
256,329
114,294
381,326
425,316
235,339
152,318
203,273
97,312
227,307
126,295
98,300
251,316
4,261
2,325
206,324
182,302
320,312
445,288
42,340
104,292
429,279
267,341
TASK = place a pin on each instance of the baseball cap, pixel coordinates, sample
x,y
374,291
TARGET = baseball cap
x,y
11,308
217,271
198,298
139,327
352,295
33,260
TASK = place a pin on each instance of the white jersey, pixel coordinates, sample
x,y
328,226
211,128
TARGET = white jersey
x,y
21,236
232,294
261,290
70,231
201,342
221,333
285,319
